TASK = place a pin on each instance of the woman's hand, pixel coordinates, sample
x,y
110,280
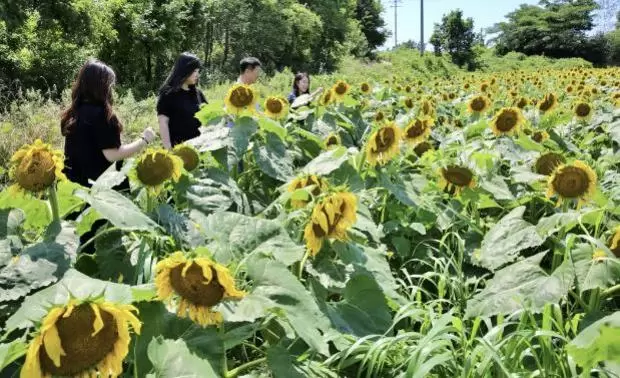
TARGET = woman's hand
x,y
149,135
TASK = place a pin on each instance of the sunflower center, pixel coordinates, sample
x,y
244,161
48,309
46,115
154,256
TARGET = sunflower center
x,y
274,105
317,185
547,103
341,88
416,129
189,156
506,120
547,163
458,176
409,103
522,103
192,287
582,110
422,148
241,97
332,141
379,116
538,137
37,172
365,87
83,351
426,108
385,139
154,169
571,182
478,104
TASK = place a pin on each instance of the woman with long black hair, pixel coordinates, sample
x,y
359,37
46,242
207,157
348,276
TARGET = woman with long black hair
x,y
92,130
179,100
301,87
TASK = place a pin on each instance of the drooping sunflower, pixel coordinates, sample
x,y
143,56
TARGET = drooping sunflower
x,y
614,242
332,140
540,136
409,104
576,181
455,178
427,109
341,88
327,97
240,98
582,110
549,102
320,185
275,107
88,339
383,144
331,218
421,148
417,131
522,103
36,167
195,285
365,88
156,166
507,121
478,104
548,162
189,155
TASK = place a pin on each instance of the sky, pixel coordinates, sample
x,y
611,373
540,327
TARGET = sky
x,y
485,13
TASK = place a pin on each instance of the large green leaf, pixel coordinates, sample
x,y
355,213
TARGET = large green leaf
x,y
273,159
119,210
240,135
281,363
172,359
210,111
506,239
179,226
118,257
277,290
37,211
594,273
214,191
11,220
213,139
234,236
73,285
11,351
498,188
271,126
597,343
327,162
406,188
523,285
67,201
547,226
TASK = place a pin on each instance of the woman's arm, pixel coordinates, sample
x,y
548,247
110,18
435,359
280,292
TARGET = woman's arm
x,y
164,131
128,150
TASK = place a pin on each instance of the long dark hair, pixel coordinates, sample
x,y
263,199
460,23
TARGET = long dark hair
x,y
186,64
93,85
296,81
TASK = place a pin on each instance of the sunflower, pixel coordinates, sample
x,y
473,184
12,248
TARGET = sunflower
x,y
82,339
478,104
330,219
327,97
454,178
547,163
275,107
484,87
599,255
36,167
383,144
332,140
195,285
582,110
320,185
540,136
427,109
409,104
365,88
572,181
522,103
379,116
341,88
422,148
417,131
189,155
614,242
549,102
156,166
507,121
240,98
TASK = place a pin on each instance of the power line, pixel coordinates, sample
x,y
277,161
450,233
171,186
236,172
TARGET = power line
x,y
396,5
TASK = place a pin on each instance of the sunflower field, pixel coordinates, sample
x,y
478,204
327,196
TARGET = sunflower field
x,y
461,227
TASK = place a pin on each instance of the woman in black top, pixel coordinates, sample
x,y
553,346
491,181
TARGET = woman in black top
x,y
91,129
178,102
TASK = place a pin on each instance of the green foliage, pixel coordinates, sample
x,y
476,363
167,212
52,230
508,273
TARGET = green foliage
x,y
455,35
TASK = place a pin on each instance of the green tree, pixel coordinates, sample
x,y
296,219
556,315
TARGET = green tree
x,y
455,35
368,13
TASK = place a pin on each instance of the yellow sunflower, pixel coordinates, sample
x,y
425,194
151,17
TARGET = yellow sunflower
x,y
614,242
156,166
427,109
540,136
240,98
327,97
478,104
332,140
36,167
340,89
522,103
383,144
576,181
547,163
455,178
582,110
320,185
507,121
195,285
549,102
379,116
417,131
408,102
88,339
275,107
189,155
331,218
365,88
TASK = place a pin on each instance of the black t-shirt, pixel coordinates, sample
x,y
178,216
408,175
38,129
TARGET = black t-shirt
x,y
91,134
180,106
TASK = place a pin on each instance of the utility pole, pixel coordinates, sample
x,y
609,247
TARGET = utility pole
x,y
396,5
422,45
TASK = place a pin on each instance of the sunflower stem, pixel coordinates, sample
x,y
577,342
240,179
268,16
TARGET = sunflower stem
x,y
53,199
612,291
302,263
236,371
222,332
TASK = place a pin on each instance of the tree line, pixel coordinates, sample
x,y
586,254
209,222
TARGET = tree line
x,y
42,42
